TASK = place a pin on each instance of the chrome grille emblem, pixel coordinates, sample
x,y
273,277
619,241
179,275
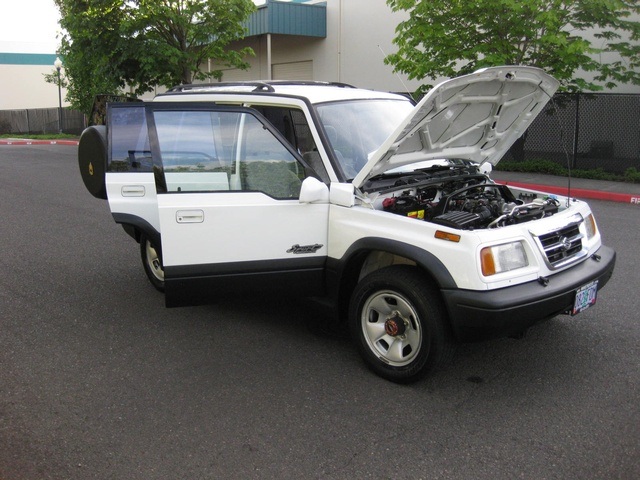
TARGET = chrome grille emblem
x,y
565,244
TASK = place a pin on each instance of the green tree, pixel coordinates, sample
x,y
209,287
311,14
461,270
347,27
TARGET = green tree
x,y
447,38
108,44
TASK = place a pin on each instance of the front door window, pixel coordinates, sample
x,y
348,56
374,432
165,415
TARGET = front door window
x,y
208,151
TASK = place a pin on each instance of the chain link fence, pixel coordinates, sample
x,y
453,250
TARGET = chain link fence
x,y
41,120
586,131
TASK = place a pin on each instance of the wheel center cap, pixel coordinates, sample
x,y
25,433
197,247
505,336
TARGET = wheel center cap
x,y
394,326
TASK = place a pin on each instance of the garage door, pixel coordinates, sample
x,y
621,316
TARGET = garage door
x,y
293,71
237,75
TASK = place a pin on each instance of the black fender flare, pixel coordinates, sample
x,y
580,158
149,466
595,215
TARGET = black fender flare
x,y
341,273
135,225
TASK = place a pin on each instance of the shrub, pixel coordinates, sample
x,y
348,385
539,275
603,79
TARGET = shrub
x,y
532,166
632,175
548,167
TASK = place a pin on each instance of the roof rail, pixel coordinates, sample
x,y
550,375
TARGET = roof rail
x,y
259,85
310,82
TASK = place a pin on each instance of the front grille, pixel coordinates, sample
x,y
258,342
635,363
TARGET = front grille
x,y
562,246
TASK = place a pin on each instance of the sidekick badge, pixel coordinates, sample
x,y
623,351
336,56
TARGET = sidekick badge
x,y
302,249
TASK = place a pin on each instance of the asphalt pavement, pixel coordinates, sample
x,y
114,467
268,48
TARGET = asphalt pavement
x,y
98,380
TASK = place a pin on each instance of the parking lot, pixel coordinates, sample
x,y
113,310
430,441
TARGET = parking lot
x,y
99,380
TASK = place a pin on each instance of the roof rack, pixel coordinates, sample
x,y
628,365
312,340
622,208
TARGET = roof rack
x,y
258,85
310,82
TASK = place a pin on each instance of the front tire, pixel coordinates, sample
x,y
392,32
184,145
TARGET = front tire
x,y
399,324
152,262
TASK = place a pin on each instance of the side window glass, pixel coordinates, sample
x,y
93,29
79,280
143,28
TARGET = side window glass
x,y
195,147
204,151
128,139
293,125
266,165
307,146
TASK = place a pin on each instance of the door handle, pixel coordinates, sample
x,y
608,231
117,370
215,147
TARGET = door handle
x,y
190,216
132,191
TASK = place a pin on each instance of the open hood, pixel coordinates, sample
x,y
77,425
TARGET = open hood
x,y
475,117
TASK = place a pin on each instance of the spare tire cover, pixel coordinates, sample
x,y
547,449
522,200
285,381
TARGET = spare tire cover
x,y
92,160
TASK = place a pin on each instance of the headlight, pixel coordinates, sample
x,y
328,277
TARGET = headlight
x,y
590,224
503,258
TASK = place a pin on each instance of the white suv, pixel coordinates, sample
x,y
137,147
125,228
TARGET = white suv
x,y
359,197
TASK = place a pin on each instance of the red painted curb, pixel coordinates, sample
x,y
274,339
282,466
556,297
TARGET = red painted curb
x,y
38,142
580,192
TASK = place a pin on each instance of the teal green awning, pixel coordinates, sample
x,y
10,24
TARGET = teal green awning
x,y
289,18
27,59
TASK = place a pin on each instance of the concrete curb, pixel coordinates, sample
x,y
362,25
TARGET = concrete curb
x,y
39,142
579,192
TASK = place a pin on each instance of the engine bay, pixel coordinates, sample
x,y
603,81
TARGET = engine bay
x,y
457,196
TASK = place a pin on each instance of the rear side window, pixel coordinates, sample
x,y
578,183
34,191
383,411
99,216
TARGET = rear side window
x,y
128,139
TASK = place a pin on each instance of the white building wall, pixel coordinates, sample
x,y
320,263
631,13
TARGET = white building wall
x,y
608,57
358,32
23,87
359,35
365,30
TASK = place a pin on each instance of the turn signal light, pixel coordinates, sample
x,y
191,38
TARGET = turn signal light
x,y
452,237
590,224
488,265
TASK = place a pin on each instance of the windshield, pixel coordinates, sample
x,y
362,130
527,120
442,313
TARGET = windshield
x,y
358,128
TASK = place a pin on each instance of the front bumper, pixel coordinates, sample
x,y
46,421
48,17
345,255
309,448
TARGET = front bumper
x,y
477,315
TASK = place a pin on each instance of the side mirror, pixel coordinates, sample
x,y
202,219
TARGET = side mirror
x,y
342,194
314,191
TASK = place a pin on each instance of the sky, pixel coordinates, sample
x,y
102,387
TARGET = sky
x,y
31,26
28,26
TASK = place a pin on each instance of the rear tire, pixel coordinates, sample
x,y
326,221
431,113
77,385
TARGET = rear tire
x,y
399,324
152,262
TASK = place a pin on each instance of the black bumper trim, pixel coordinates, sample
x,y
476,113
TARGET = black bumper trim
x,y
478,315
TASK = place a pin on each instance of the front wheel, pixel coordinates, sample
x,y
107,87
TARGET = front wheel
x,y
152,262
399,324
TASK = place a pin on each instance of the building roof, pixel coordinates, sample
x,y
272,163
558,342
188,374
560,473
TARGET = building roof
x,y
289,18
27,59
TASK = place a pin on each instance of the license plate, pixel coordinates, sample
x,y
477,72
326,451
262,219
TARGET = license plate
x,y
585,297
